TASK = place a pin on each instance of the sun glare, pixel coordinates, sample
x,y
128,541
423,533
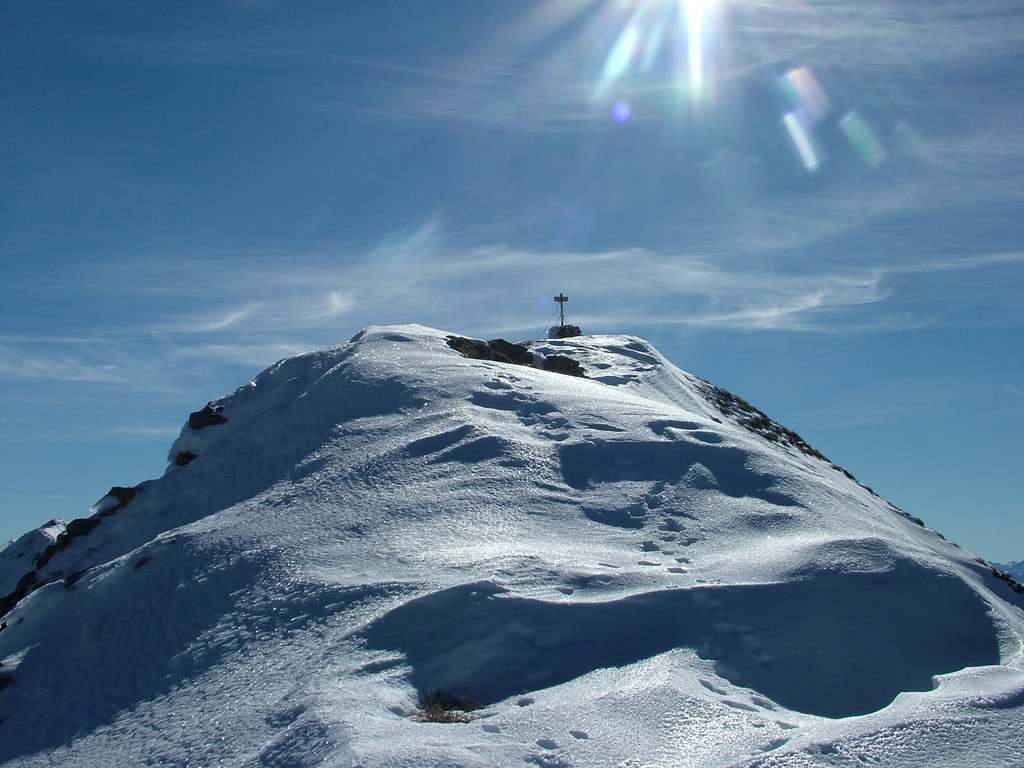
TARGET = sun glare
x,y
658,42
697,62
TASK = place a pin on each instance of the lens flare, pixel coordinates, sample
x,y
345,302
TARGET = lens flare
x,y
808,104
805,94
863,139
622,53
726,74
803,141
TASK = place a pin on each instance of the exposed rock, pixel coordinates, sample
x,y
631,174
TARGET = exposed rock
x,y
71,579
507,352
79,527
503,351
115,500
122,494
44,557
564,331
184,458
471,348
560,364
743,413
208,417
28,582
74,529
31,580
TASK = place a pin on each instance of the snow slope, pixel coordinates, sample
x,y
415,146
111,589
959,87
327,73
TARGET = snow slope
x,y
630,569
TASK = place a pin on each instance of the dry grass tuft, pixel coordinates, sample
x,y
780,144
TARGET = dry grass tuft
x,y
443,706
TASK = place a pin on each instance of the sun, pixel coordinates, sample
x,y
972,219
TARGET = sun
x,y
720,73
660,41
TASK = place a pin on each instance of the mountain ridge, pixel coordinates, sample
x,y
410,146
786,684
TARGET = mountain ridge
x,y
412,520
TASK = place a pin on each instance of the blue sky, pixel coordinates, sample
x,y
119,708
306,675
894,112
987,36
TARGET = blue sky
x,y
816,205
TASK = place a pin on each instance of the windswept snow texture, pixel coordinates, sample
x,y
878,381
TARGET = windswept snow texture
x,y
633,569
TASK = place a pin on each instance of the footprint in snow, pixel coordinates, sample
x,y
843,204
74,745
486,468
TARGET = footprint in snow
x,y
774,744
739,705
498,384
712,687
579,734
707,437
547,760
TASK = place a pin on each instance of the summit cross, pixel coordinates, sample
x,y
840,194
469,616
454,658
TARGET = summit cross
x,y
561,308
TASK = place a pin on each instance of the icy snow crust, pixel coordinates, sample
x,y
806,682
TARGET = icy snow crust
x,y
615,570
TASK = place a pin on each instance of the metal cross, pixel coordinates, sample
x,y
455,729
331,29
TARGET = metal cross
x,y
561,307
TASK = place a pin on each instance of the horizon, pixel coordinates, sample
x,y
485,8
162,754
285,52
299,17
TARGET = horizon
x,y
813,206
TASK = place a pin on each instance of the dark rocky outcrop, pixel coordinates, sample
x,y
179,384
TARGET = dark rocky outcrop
x,y
208,417
471,348
507,352
566,365
28,583
749,417
74,529
31,581
72,578
121,495
78,527
184,458
503,351
564,331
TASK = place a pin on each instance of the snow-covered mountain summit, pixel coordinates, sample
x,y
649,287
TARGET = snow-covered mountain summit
x,y
629,568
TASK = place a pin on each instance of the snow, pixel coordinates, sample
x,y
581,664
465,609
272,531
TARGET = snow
x,y
633,569
17,556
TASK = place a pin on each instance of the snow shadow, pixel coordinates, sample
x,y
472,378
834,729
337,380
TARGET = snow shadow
x,y
836,645
586,464
130,648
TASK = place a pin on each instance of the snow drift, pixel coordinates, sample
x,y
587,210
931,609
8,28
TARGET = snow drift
x,y
632,568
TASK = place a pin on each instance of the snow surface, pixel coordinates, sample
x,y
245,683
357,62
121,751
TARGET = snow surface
x,y
633,569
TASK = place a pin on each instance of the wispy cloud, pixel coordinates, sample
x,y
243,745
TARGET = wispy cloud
x,y
273,312
240,353
513,79
318,306
22,365
144,431
217,322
